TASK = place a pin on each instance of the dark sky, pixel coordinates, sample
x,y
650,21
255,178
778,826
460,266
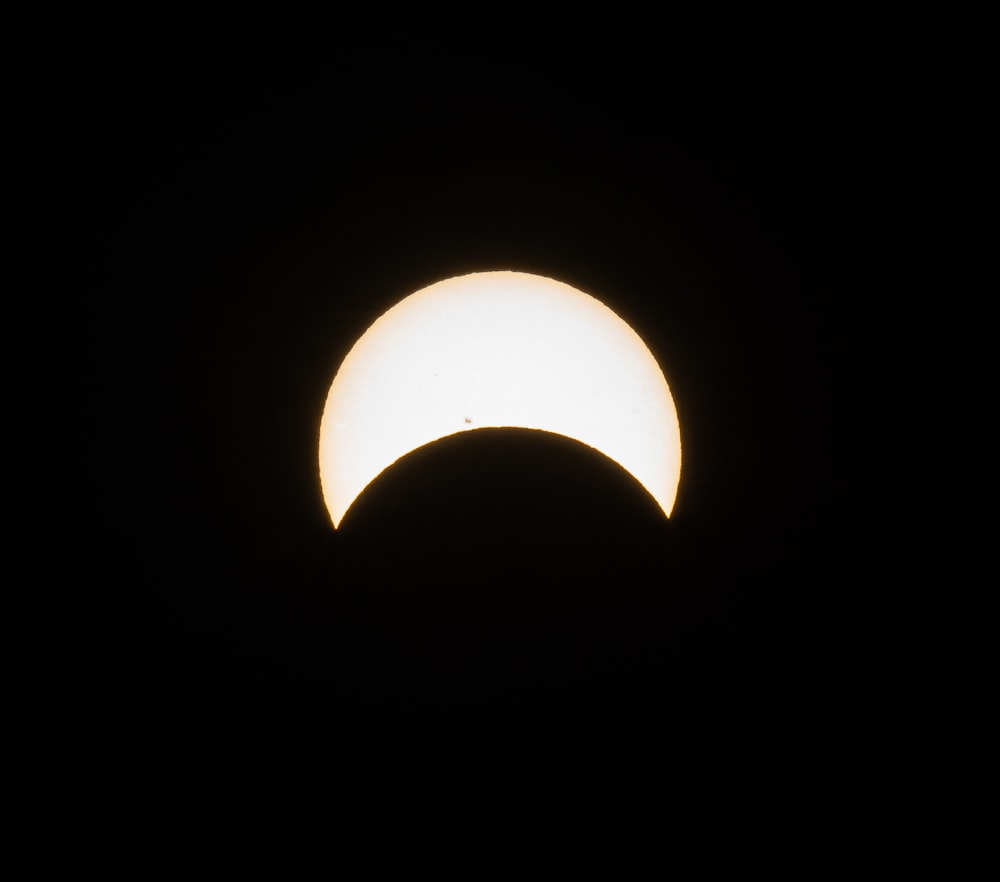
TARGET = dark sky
x,y
506,664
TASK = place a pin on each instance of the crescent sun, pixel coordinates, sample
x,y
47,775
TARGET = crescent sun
x,y
494,350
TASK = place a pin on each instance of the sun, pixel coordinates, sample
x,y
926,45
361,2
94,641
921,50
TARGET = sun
x,y
494,350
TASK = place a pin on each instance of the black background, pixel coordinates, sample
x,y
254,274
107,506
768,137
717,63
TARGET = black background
x,y
505,664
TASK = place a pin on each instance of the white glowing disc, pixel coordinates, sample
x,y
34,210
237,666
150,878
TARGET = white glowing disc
x,y
497,349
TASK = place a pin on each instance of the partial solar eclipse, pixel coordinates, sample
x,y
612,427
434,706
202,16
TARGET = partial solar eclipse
x,y
494,350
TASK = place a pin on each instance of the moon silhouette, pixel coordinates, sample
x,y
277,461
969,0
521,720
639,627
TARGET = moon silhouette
x,y
496,350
